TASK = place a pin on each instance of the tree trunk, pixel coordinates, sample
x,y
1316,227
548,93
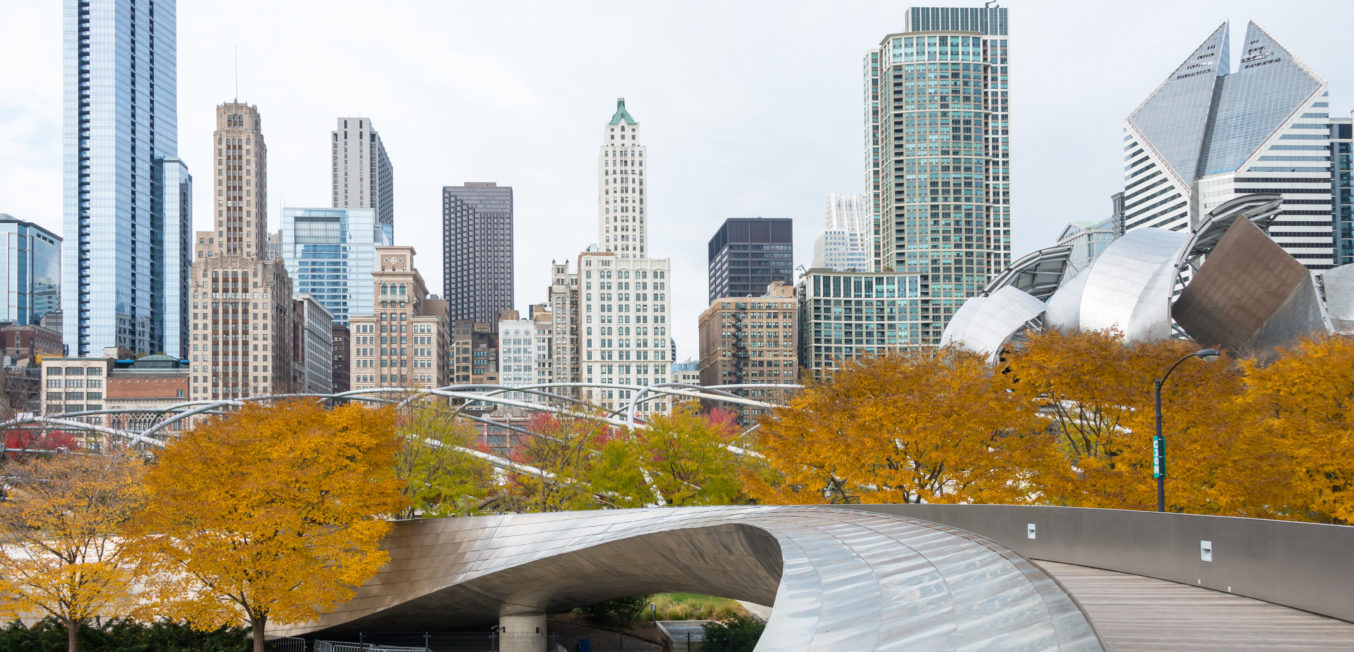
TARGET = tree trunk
x,y
258,623
72,636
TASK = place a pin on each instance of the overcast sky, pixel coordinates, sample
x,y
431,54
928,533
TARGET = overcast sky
x,y
747,108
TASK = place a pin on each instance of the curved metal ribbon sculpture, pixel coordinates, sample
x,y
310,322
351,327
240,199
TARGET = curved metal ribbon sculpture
x,y
838,579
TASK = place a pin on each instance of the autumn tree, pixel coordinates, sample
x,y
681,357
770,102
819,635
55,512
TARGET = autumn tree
x,y
441,478
273,513
923,426
560,455
60,525
1300,408
682,456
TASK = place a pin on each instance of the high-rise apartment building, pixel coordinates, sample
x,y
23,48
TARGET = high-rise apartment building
x,y
241,309
404,343
623,311
474,353
845,243
362,175
848,315
1342,187
1210,133
938,155
622,206
477,272
125,193
563,302
747,254
30,271
330,254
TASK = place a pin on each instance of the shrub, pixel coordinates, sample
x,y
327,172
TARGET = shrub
x,y
624,610
736,634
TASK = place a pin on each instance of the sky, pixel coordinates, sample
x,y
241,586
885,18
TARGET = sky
x,y
748,109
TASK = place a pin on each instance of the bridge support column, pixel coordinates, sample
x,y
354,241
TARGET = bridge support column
x,y
521,633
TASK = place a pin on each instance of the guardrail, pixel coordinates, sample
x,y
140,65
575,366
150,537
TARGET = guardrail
x,y
1307,566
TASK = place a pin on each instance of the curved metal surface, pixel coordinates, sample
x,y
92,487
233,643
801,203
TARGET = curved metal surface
x,y
984,324
1037,273
1128,287
839,579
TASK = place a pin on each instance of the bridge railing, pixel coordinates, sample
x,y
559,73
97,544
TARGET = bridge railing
x,y
1308,566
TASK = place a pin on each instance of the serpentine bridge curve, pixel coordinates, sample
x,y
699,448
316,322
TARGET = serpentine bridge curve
x,y
839,579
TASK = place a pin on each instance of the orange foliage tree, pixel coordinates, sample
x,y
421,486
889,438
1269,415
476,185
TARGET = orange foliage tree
x,y
924,426
270,514
59,524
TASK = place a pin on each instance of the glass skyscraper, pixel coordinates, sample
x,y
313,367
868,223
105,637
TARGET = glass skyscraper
x,y
330,254
122,258
30,271
1210,133
938,155
747,254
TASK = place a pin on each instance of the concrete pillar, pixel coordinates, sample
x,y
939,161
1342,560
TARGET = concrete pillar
x,y
521,633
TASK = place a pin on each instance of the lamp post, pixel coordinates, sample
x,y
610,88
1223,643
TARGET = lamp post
x,y
1158,443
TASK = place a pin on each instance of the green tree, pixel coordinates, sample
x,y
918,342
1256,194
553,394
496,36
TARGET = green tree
x,y
683,456
441,478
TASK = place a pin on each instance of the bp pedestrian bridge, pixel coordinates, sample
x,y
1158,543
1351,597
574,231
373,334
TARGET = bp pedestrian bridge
x,y
880,577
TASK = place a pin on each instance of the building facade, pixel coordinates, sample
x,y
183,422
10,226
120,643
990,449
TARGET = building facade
x,y
115,381
30,271
241,304
1342,187
747,254
847,315
563,301
1210,133
312,346
330,254
404,343
516,353
342,360
745,340
362,175
477,245
1088,240
126,218
622,205
623,327
474,353
845,243
938,155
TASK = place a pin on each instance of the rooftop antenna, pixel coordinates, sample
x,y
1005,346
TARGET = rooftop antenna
x,y
237,74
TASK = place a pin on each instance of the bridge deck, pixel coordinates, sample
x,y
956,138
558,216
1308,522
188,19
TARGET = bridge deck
x,y
1132,612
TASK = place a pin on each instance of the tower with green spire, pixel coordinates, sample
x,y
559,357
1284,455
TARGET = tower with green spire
x,y
622,205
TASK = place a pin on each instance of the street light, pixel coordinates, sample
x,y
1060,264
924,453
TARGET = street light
x,y
1159,444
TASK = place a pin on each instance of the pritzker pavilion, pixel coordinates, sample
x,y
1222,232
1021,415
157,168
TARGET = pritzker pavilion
x,y
1223,283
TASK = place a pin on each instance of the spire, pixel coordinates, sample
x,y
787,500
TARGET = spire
x,y
621,114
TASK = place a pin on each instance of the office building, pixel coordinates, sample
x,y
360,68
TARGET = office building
x,y
474,353
330,254
563,302
115,381
623,207
125,194
686,373
312,346
623,327
1212,132
404,343
24,347
1088,240
341,353
848,315
938,155
30,271
516,354
477,271
362,175
241,302
543,322
747,254
1342,187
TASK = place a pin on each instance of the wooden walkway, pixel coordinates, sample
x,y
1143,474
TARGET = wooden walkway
x,y
1132,612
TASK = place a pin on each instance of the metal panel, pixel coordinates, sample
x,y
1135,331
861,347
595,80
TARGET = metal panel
x,y
1338,290
839,579
1129,286
984,324
1063,311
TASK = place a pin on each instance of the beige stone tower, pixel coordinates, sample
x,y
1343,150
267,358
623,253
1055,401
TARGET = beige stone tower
x,y
404,344
241,300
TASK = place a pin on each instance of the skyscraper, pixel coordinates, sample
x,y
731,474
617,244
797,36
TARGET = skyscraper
x,y
330,254
30,271
405,342
241,300
477,272
747,254
1209,133
124,227
623,208
362,175
938,155
845,243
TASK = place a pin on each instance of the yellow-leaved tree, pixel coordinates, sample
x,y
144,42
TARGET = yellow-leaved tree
x,y
274,513
683,456
59,526
441,478
922,426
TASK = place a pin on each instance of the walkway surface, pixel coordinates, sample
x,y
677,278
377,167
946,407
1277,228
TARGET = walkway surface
x,y
1132,612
